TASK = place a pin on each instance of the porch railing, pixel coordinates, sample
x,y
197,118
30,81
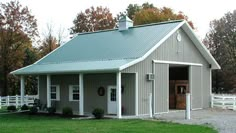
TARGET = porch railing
x,y
16,100
224,101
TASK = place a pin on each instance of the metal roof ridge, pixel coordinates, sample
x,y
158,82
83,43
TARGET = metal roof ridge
x,y
136,26
158,23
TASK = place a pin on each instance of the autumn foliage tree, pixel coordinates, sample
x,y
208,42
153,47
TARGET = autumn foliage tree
x,y
221,41
18,29
148,13
50,42
93,19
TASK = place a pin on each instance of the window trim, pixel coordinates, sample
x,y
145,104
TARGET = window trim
x,y
57,93
71,93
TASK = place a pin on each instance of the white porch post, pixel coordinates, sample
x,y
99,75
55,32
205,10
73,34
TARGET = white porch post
x,y
48,91
118,93
81,94
22,89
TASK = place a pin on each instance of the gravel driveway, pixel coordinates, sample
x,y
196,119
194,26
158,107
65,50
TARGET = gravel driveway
x,y
222,120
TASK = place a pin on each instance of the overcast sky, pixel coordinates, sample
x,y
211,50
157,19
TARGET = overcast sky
x,y
61,13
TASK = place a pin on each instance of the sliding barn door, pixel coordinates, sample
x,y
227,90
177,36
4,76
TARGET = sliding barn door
x,y
161,91
196,86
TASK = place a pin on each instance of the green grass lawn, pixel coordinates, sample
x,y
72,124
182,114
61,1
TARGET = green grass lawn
x,y
23,123
3,110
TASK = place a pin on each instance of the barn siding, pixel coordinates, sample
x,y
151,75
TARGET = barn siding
x,y
91,99
43,89
196,87
170,50
63,81
128,95
161,92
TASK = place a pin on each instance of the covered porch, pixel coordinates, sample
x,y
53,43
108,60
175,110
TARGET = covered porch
x,y
115,93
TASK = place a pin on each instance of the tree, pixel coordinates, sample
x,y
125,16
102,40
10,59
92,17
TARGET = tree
x,y
154,15
93,19
18,29
148,13
49,42
221,41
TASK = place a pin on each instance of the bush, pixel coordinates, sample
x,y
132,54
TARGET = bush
x,y
98,113
51,110
33,110
67,111
24,107
11,108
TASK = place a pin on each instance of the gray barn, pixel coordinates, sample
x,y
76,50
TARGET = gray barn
x,y
117,70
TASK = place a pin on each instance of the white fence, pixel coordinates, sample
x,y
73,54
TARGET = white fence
x,y
225,101
16,100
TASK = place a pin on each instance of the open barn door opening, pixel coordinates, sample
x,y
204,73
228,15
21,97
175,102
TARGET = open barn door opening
x,y
178,86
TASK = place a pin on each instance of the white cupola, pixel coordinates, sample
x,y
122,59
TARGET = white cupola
x,y
124,23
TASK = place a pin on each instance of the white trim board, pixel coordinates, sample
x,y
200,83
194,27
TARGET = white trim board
x,y
177,63
159,113
196,109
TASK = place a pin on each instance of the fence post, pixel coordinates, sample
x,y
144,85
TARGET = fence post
x,y
234,105
150,105
212,100
0,102
16,101
8,99
187,113
27,100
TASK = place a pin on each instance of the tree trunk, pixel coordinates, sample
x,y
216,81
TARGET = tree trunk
x,y
5,82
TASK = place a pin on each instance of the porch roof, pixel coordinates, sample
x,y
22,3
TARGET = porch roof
x,y
73,67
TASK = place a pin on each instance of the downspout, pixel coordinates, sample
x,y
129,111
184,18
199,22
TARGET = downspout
x,y
153,88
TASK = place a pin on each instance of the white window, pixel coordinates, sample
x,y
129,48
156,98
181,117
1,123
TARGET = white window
x,y
55,92
73,92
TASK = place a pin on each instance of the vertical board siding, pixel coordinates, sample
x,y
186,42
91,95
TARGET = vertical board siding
x,y
206,87
91,84
170,50
144,86
196,87
91,98
128,95
161,94
43,90
63,81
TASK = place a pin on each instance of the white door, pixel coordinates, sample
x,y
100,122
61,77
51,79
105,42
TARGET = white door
x,y
111,102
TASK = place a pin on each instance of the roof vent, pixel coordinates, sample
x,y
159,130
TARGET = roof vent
x,y
124,23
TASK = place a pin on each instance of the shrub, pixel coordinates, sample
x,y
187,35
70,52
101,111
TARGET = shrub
x,y
67,111
33,110
98,113
51,110
24,107
11,108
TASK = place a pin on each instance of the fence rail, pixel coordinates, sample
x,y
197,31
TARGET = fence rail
x,y
225,101
16,100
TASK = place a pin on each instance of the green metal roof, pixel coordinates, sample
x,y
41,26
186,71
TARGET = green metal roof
x,y
102,50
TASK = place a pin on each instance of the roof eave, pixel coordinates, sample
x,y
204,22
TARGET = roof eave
x,y
65,72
